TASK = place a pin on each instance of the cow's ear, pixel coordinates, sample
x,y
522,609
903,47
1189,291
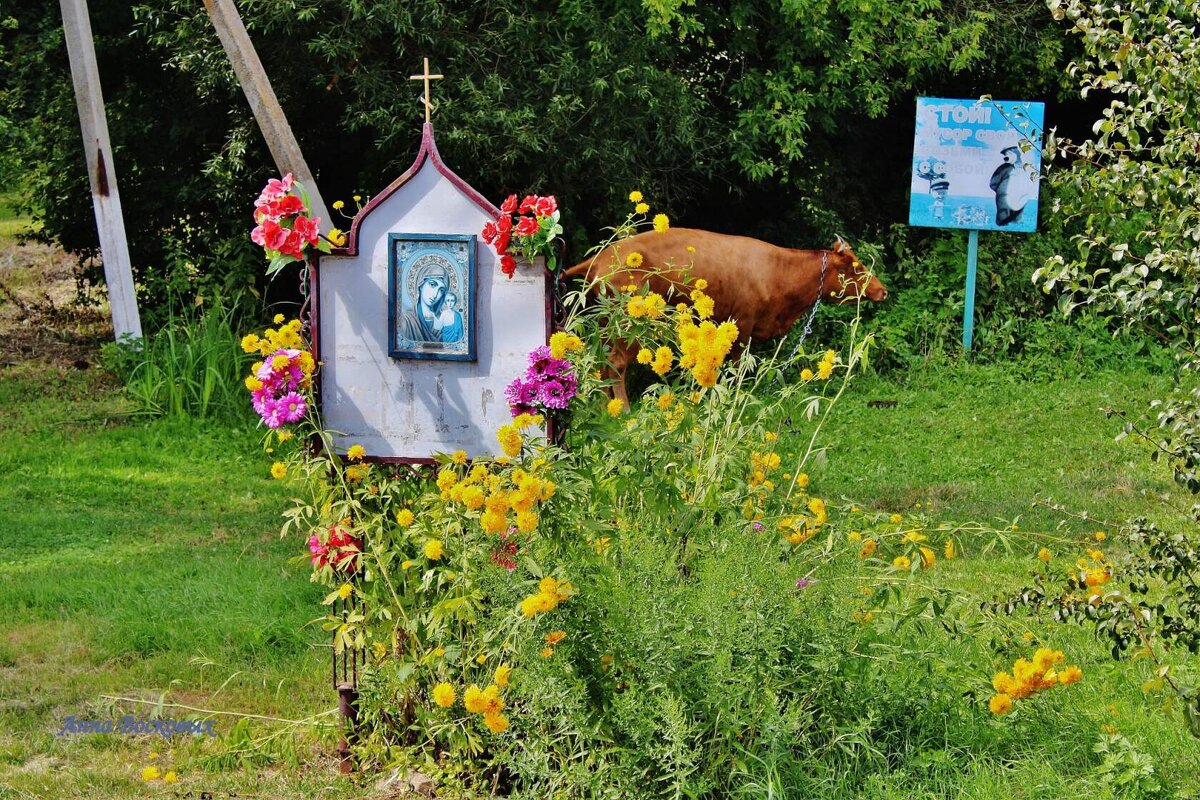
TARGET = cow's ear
x,y
839,244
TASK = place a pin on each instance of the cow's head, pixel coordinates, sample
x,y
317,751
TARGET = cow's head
x,y
853,279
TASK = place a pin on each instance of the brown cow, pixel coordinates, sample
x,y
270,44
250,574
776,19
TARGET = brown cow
x,y
761,287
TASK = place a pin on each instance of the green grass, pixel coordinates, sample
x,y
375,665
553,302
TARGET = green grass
x,y
12,223
141,560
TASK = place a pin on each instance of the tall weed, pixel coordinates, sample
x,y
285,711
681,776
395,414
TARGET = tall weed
x,y
191,367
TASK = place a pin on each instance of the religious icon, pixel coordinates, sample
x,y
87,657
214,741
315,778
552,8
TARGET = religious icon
x,y
432,296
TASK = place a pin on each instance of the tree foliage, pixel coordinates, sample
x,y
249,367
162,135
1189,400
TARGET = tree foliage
x,y
1134,191
788,120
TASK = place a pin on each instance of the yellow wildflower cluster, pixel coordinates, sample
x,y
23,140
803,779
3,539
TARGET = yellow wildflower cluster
x,y
286,337
1028,677
659,360
703,347
661,222
562,343
761,465
498,496
1093,574
651,305
550,593
703,304
489,703
510,437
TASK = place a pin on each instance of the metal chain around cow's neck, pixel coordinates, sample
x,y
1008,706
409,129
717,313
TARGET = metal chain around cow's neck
x,y
812,314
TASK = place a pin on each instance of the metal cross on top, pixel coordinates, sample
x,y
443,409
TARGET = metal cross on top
x,y
427,78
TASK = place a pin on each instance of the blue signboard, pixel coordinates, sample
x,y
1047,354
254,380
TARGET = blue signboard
x,y
976,164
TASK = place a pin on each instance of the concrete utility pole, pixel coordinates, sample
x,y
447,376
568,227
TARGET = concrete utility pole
x,y
267,111
114,250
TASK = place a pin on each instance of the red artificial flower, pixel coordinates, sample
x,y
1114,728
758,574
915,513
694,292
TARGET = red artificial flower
x,y
341,552
509,205
527,226
308,229
508,265
294,244
505,226
528,203
490,232
545,206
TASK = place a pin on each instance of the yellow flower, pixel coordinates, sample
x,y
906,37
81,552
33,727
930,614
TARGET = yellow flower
x,y
253,383
895,518
336,237
633,260
641,208
1100,536
356,452
700,284
479,659
170,777
345,590
854,536
661,223
459,457
949,550
278,470
405,517
554,637
547,652
338,205
527,522
645,356
1044,555
358,198
510,440
1070,675
824,370
663,358
502,675
868,548
1000,704
665,401
802,480
433,549
151,773
901,562
443,695
496,723
928,559
250,343
283,436
439,652
635,196
615,407
474,700
279,318
406,565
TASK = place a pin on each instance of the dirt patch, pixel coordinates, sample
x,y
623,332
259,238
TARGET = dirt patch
x,y
43,315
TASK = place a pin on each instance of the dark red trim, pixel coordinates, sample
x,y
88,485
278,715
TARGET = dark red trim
x,y
428,150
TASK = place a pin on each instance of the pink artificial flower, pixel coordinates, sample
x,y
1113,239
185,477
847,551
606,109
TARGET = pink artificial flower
x,y
509,205
275,189
318,550
527,226
545,206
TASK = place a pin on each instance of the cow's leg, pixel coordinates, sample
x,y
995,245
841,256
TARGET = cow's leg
x,y
615,370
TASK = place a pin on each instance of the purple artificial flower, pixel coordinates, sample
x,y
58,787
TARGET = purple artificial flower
x,y
292,407
758,526
521,392
521,408
272,414
803,583
553,394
